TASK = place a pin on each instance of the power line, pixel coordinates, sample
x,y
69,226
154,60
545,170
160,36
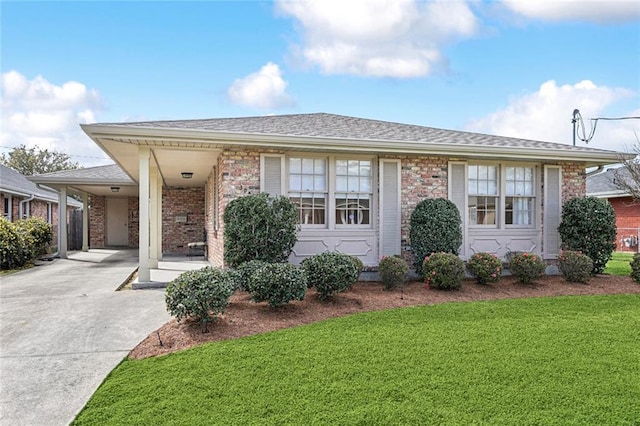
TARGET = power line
x,y
578,124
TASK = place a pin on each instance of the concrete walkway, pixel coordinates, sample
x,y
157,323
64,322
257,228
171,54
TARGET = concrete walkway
x,y
63,328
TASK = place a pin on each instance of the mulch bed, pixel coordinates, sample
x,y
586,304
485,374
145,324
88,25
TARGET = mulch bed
x,y
244,317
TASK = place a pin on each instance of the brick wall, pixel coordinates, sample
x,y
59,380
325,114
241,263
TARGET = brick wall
x,y
97,221
178,203
627,221
133,211
574,181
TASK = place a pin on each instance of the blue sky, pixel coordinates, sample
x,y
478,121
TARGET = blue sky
x,y
514,67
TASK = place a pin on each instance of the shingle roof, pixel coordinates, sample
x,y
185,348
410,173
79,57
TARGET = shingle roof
x,y
604,182
111,173
14,182
324,125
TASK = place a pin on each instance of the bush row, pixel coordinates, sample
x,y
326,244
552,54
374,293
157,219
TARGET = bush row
x,y
22,241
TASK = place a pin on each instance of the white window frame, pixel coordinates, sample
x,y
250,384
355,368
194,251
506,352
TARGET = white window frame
x,y
330,205
500,221
8,206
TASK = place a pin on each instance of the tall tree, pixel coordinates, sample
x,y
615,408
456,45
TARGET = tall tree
x,y
33,161
627,178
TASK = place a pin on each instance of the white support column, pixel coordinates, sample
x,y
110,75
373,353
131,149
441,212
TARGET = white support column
x,y
159,228
144,274
85,222
62,223
153,217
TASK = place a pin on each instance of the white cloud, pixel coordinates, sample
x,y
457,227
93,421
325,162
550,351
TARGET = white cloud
x,y
378,38
40,114
264,89
546,115
598,11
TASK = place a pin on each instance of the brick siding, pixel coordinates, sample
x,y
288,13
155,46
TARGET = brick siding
x,y
627,221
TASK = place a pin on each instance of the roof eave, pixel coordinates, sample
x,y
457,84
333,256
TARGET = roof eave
x,y
147,135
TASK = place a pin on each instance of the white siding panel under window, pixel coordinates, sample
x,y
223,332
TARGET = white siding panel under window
x,y
552,211
390,216
272,174
458,195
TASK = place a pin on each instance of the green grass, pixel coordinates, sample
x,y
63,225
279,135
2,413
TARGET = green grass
x,y
619,264
564,360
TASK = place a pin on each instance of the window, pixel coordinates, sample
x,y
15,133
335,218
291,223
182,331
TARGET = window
x,y
501,195
483,194
308,189
519,196
329,191
353,192
7,207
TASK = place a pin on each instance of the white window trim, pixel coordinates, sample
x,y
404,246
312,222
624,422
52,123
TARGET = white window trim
x,y
501,196
8,214
330,212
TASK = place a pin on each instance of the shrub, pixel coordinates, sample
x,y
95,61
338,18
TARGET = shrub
x,y
12,246
358,264
195,294
331,272
393,271
526,267
259,227
278,284
485,267
575,266
37,235
435,227
635,267
244,273
443,271
589,225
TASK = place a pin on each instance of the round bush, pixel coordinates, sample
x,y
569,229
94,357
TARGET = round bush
x,y
195,294
331,272
526,267
589,225
635,267
245,271
12,246
485,267
435,227
575,266
443,271
259,227
393,271
37,235
278,284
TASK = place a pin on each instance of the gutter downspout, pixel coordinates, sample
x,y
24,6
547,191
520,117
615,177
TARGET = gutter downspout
x,y
22,203
593,172
40,186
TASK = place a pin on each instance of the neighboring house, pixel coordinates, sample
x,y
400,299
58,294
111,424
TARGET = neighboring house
x,y
20,199
627,210
354,181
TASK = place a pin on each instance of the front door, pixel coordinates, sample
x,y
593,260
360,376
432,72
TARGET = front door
x,y
117,232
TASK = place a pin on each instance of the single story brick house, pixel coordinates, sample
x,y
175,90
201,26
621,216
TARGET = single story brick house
x,y
354,181
603,185
20,199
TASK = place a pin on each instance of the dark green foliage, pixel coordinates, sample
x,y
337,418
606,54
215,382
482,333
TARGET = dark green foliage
x,y
331,272
244,273
526,267
435,227
589,225
33,161
358,264
443,271
278,284
635,267
259,227
575,266
22,241
393,271
196,294
486,267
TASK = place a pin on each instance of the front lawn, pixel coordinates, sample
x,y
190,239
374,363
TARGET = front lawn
x,y
560,360
619,264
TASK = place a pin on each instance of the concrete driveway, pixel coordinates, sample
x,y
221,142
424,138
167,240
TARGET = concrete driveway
x,y
63,328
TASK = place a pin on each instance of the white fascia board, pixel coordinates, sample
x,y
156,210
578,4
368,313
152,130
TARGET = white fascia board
x,y
608,194
206,138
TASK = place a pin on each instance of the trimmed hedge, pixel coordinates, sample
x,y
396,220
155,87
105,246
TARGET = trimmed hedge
x,y
331,272
435,227
259,227
278,284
